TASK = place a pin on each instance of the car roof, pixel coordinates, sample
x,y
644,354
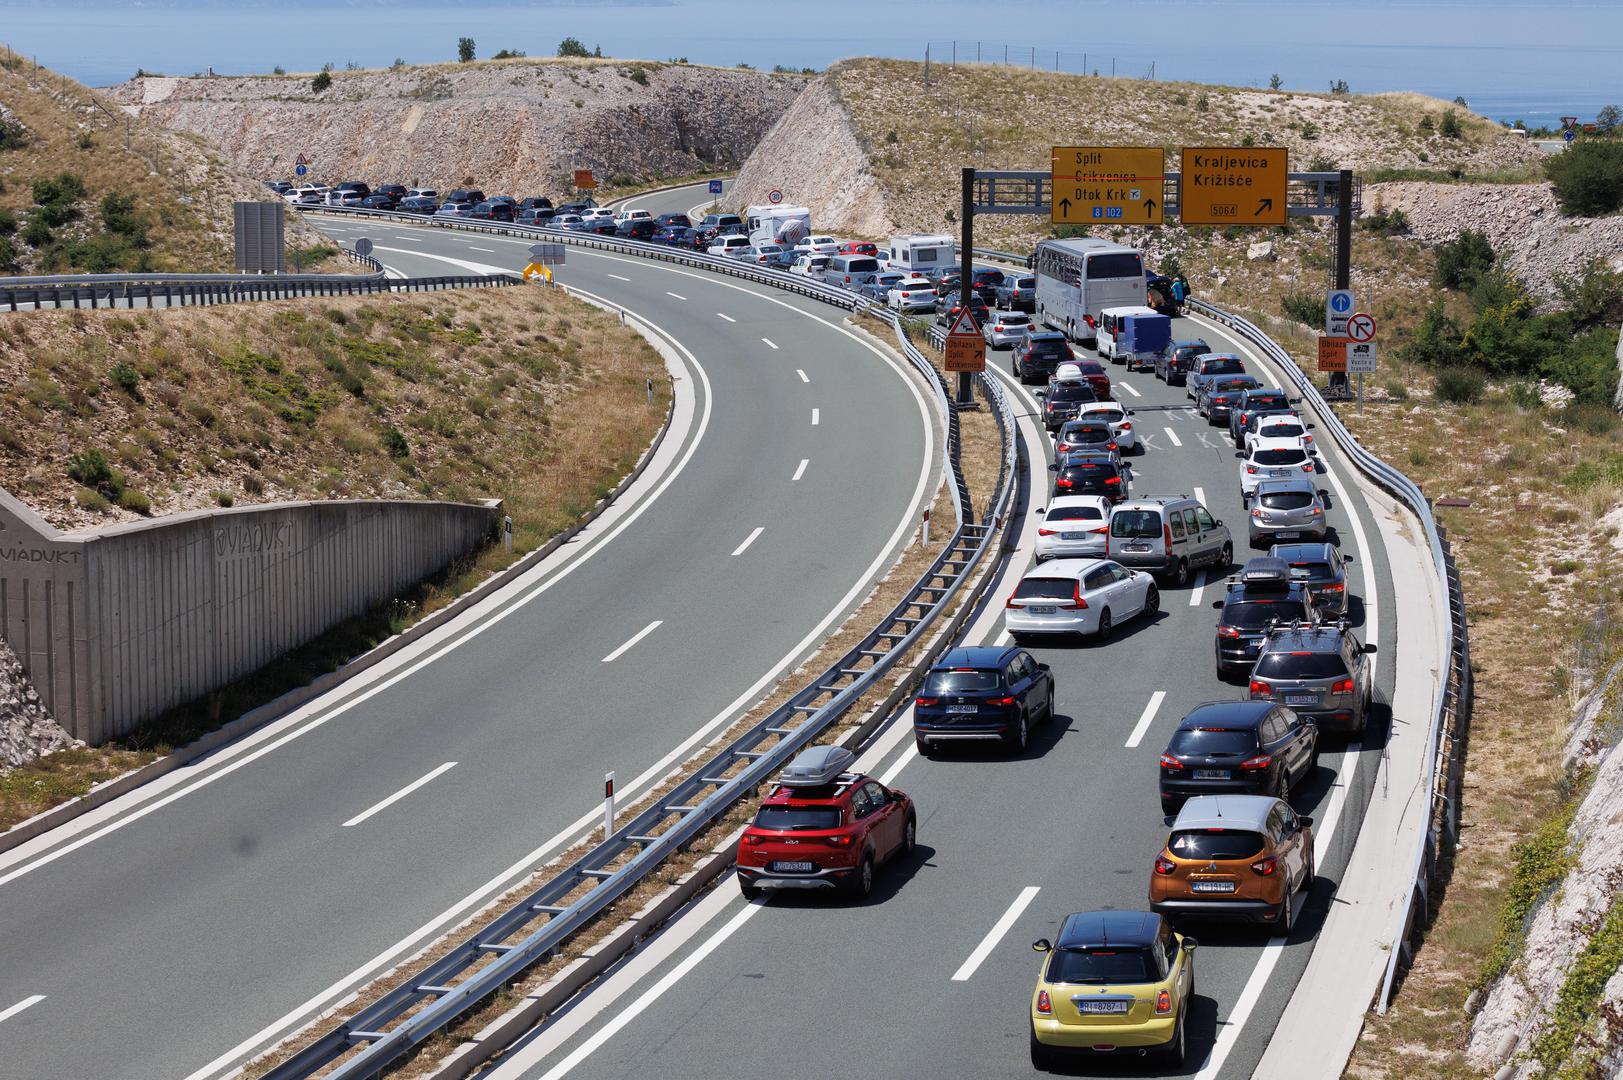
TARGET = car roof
x,y
1226,714
976,656
1091,929
1077,500
1286,483
1265,390
1131,309
1288,553
1065,568
1046,335
1276,414
1321,639
1181,343
1225,812
1099,406
1284,442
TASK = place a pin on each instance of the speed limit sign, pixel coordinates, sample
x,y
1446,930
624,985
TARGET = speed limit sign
x,y
1361,327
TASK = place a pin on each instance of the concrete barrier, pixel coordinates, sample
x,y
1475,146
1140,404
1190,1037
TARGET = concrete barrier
x,y
117,625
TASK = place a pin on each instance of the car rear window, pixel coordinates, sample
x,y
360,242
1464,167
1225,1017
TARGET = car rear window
x,y
1283,456
1117,265
1070,392
787,818
1076,513
1266,401
1050,349
1301,665
862,265
1201,741
1222,365
1282,431
1014,319
1287,500
1045,589
1215,844
962,682
1228,385
1310,571
1025,283
1088,435
1109,966
1135,523
1255,613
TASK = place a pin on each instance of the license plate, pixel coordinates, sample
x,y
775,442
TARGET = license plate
x,y
1287,534
1301,699
1102,1007
1138,547
792,867
1073,536
1041,609
1211,774
963,708
1211,886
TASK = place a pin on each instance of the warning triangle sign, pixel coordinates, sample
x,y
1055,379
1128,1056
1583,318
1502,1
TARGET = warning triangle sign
x,y
964,326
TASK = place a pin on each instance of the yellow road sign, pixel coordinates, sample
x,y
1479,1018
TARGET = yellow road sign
x,y
534,269
1108,185
1233,185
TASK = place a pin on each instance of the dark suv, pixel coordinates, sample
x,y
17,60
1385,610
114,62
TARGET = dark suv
x,y
1042,353
1237,748
1172,366
985,284
1323,569
1092,472
983,693
1262,595
1319,671
1062,399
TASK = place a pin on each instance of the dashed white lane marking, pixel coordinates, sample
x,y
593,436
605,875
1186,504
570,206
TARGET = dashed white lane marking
x,y
679,296
616,277
1199,590
1144,721
401,794
1200,495
1129,388
769,343
803,376
638,636
748,540
729,318
817,417
487,251
801,469
25,1003
1173,435
995,935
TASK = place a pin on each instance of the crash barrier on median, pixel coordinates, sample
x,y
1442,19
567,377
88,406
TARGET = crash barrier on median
x,y
119,624
413,1010
1451,711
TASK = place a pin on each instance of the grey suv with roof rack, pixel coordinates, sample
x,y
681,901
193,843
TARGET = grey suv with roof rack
x,y
1322,672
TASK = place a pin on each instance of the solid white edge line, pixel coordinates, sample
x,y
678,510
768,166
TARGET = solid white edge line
x,y
901,763
769,343
397,796
800,470
995,935
803,376
646,1001
748,540
817,416
1173,435
719,315
1145,720
638,636
25,1003
1199,589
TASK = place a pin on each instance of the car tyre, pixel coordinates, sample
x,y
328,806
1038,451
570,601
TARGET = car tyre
x,y
1103,634
1018,737
1042,1057
861,883
1180,576
1177,1049
1282,790
910,837
1152,601
1225,557
1307,873
1287,914
748,891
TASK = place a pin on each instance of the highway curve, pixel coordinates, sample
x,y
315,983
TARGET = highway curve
x,y
916,982
183,928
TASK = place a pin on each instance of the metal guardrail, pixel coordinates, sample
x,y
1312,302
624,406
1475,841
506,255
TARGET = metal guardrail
x,y
1451,711
490,959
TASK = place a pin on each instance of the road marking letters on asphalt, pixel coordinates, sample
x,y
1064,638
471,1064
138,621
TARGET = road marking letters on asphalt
x,y
1173,435
800,470
401,794
729,318
769,343
20,1006
638,636
1144,721
995,935
748,540
817,417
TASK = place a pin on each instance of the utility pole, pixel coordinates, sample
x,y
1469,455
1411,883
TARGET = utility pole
x,y
966,264
955,56
1344,218
926,63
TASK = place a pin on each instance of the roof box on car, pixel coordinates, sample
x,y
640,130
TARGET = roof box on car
x,y
817,766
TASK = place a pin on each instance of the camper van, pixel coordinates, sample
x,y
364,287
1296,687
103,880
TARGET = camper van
x,y
922,254
785,225
1078,279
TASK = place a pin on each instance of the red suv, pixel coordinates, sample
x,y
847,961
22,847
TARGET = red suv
x,y
859,247
824,827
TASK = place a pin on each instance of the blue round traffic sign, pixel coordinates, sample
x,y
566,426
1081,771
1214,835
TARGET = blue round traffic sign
x,y
1340,302
299,170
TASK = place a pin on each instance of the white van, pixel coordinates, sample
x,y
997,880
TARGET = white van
x,y
1169,535
923,254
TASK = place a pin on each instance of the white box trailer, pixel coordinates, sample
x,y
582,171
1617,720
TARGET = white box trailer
x,y
786,225
924,254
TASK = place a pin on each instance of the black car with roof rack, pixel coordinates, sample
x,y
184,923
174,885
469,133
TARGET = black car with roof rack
x,y
1260,596
1237,748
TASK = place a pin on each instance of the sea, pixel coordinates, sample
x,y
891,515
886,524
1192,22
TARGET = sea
x,y
1534,62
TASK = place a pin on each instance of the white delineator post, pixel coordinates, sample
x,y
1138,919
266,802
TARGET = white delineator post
x,y
608,805
926,527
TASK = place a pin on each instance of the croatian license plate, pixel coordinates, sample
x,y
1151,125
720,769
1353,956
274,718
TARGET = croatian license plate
x,y
1301,699
1072,536
1211,774
792,867
1138,547
1105,1007
1042,609
1287,534
963,708
1211,886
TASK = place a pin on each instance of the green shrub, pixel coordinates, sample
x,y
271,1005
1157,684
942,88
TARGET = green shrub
x,y
1386,222
1588,177
464,49
394,442
1595,296
1304,308
321,82
8,254
639,76
1460,385
1427,123
1450,125
130,499
93,501
1463,260
224,498
1537,864
90,468
118,216
572,46
8,222
126,378
13,136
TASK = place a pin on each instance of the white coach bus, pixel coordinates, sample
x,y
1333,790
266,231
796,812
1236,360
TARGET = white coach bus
x,y
1078,279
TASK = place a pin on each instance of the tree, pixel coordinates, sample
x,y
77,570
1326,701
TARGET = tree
x,y
509,54
571,46
1436,343
464,49
320,82
1588,177
1275,82
1450,125
1459,99
1462,262
1607,120
1339,86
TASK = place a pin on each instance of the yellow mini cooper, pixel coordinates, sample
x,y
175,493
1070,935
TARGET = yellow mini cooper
x,y
1116,982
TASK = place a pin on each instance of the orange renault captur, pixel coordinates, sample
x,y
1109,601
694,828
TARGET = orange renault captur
x,y
1237,857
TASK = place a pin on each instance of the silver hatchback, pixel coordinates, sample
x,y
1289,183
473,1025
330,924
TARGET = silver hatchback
x,y
1288,509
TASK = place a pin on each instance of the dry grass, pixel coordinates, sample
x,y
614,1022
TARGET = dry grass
x,y
521,394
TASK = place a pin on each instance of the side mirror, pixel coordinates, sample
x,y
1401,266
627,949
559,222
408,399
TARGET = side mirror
x,y
1190,944
1304,822
1041,945
1039,510
1369,647
1217,524
1053,468
1044,667
1217,605
1295,401
1313,427
1239,453
1041,393
1346,558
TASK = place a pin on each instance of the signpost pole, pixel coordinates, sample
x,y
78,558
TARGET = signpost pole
x,y
1344,219
966,268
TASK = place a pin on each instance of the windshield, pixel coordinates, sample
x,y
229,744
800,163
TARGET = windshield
x,y
1266,401
862,265
1195,742
1087,435
961,682
1287,455
1214,844
794,818
1135,523
1045,589
1259,613
1125,264
1108,966
1007,319
1076,513
1301,665
1287,500
1025,283
1228,385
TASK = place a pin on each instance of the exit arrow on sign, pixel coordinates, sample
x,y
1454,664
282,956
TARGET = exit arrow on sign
x,y
1263,206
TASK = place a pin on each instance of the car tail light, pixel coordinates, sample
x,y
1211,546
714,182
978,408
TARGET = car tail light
x,y
1258,687
1257,513
1163,1002
838,840
1111,481
1170,762
1334,586
1164,865
1261,761
1044,1005
1252,469
1100,532
1266,867
1111,445
1001,701
1342,686
1228,631
927,701
1062,482
1089,320
751,839
1307,466
1047,532
1242,419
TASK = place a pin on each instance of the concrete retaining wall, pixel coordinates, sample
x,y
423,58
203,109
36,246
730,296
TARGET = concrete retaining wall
x,y
118,625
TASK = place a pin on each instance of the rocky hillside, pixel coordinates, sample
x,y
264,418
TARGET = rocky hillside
x,y
178,213
515,126
889,147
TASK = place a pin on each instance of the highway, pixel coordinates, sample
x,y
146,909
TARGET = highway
x,y
180,930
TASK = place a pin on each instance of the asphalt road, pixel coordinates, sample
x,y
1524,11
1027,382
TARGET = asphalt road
x,y
175,936
794,984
